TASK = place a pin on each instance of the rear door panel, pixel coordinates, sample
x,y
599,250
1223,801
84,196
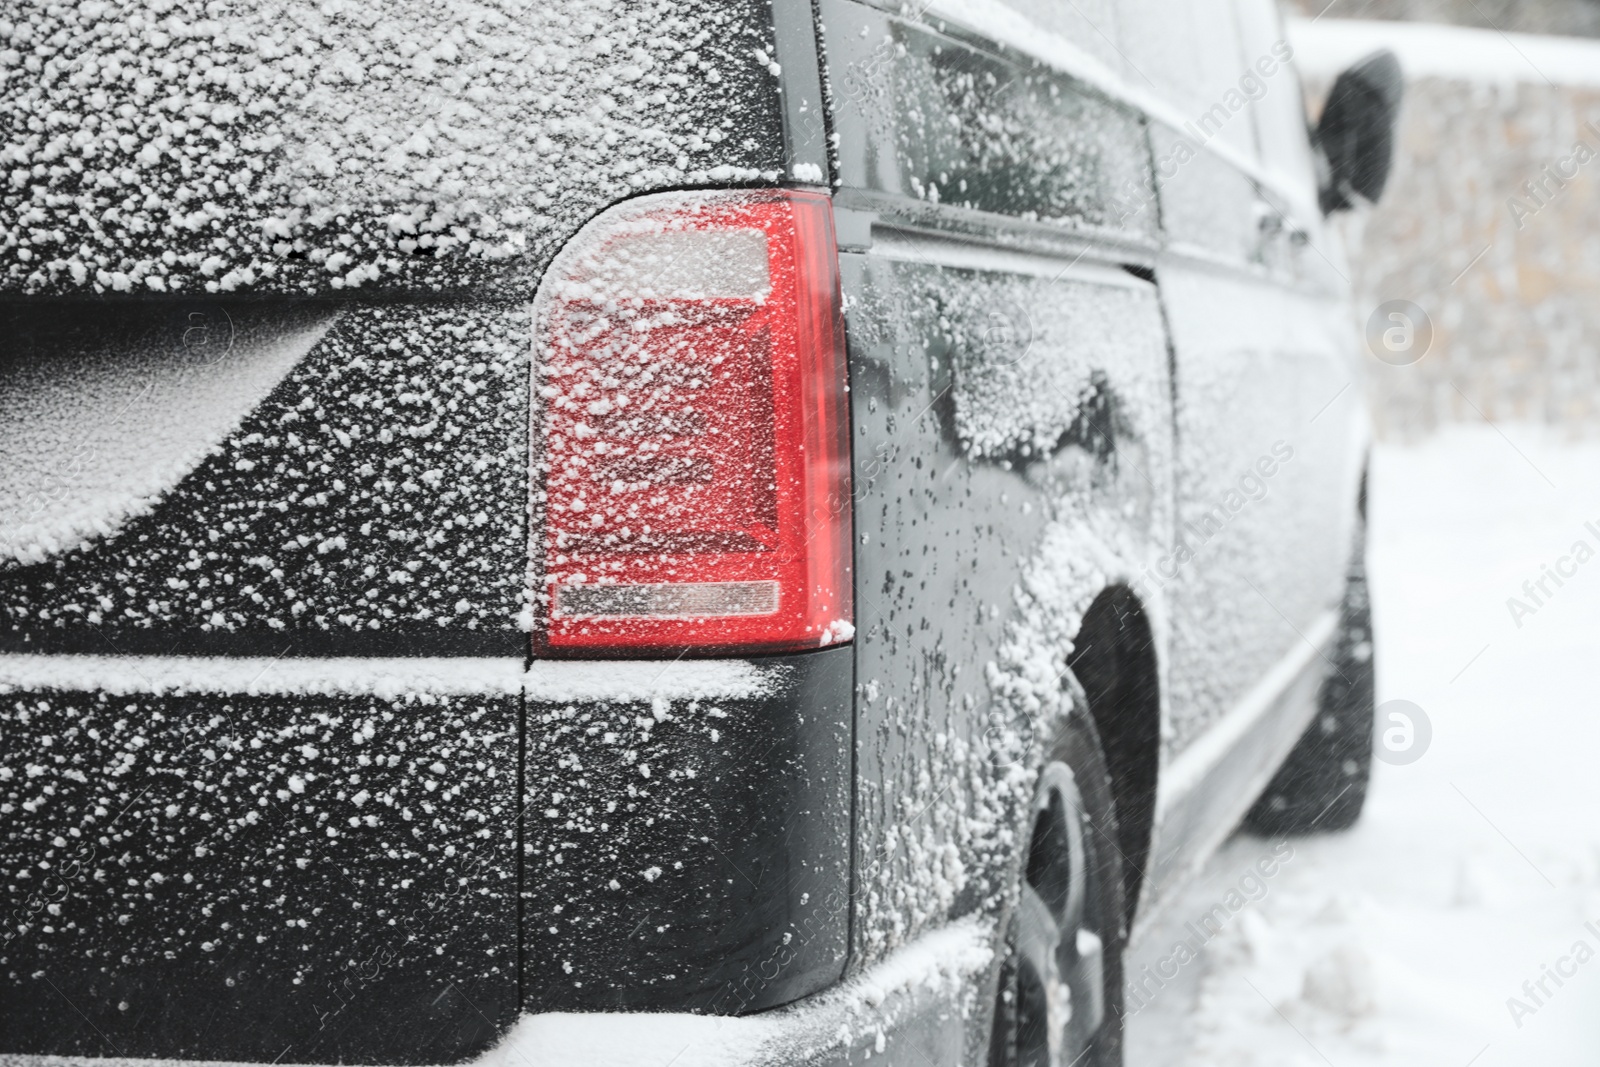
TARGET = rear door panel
x,y
1011,407
1266,418
264,414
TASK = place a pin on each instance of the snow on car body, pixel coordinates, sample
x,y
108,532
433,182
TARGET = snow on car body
x,y
454,586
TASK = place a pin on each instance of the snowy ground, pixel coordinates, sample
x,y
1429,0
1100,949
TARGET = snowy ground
x,y
1475,868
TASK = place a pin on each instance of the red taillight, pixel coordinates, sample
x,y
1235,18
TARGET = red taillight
x,y
694,446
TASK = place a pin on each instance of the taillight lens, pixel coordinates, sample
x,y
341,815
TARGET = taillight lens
x,y
693,438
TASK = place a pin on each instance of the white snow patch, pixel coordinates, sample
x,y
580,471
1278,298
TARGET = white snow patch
x,y
941,962
385,678
655,1039
958,949
838,631
547,681
91,438
558,681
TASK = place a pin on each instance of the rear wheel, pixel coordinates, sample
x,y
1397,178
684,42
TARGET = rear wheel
x,y
1323,783
1059,1001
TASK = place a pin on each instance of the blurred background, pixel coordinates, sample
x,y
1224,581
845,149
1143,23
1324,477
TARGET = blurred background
x,y
1490,222
1458,923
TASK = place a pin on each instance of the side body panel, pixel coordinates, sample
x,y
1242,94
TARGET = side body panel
x,y
1250,460
1268,423
1253,304
1011,408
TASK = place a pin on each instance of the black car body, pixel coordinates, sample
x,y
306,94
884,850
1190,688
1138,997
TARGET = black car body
x,y
303,757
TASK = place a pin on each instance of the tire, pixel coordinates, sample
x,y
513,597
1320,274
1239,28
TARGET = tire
x,y
1322,786
1059,998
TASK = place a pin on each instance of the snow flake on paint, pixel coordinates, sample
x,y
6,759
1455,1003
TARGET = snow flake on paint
x,y
176,146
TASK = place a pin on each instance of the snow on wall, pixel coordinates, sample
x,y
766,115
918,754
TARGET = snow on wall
x,y
1325,47
160,146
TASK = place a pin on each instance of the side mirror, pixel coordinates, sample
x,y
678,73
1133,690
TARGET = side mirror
x,y
1354,140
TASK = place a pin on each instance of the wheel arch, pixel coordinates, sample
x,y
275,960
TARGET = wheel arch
x,y
1114,659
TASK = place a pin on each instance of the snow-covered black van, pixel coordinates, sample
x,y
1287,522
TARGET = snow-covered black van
x,y
658,531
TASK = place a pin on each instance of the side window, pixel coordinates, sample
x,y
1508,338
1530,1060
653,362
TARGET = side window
x,y
1207,204
1233,112
1189,54
932,116
1279,108
1090,25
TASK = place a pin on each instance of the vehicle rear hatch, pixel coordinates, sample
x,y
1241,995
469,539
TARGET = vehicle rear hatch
x,y
265,273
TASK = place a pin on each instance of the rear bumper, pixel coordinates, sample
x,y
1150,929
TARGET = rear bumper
x,y
918,1008
391,860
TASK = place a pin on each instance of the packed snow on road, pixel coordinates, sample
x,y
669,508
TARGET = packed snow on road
x,y
1459,922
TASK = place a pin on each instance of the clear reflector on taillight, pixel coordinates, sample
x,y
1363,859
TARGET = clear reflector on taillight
x,y
692,436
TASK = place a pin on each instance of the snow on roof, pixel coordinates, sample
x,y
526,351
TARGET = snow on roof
x,y
1324,47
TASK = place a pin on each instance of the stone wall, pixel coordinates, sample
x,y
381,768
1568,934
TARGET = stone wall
x,y
1512,289
1490,225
